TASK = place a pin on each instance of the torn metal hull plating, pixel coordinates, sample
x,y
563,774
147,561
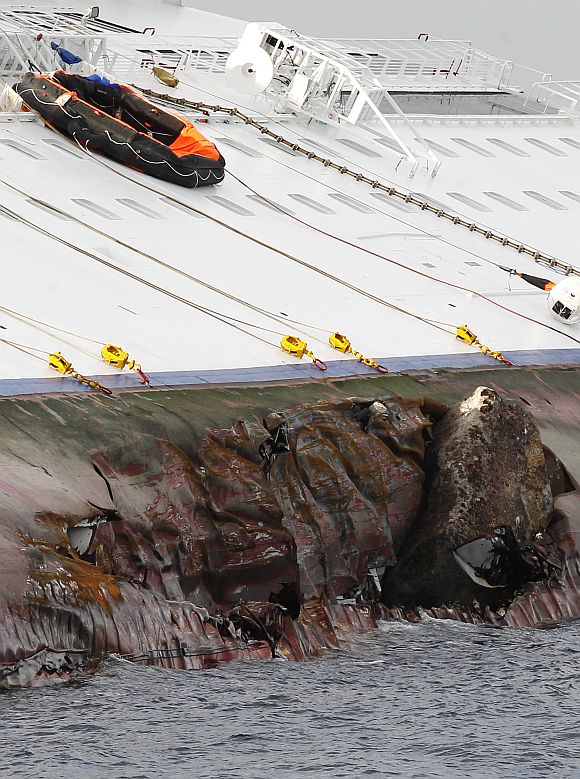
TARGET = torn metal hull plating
x,y
204,550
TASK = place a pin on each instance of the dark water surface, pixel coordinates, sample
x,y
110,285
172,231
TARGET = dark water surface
x,y
439,699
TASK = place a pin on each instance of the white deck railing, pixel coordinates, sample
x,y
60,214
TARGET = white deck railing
x,y
563,96
131,53
21,52
396,65
428,65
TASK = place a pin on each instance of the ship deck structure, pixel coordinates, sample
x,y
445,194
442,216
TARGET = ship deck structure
x,y
200,285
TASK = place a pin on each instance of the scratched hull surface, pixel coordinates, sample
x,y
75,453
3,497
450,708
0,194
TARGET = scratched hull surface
x,y
438,699
164,562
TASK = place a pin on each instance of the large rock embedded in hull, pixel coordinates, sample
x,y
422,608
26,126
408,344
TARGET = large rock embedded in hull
x,y
486,469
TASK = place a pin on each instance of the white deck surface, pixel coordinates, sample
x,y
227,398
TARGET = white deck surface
x,y
42,279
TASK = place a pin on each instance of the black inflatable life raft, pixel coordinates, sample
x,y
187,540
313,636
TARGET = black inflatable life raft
x,y
121,123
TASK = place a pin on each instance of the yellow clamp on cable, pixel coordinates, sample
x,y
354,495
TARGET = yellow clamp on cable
x,y
342,344
114,355
298,348
62,365
468,336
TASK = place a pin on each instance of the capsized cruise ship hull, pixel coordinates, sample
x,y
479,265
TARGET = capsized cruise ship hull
x,y
146,524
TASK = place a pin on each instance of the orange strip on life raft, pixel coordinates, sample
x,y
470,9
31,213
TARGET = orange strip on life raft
x,y
190,141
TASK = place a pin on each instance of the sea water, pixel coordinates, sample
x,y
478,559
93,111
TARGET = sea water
x,y
439,699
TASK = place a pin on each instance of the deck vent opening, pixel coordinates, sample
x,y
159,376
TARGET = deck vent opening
x,y
400,205
281,146
230,205
431,200
180,207
546,147
352,203
571,195
473,263
440,149
506,201
547,201
22,148
140,208
307,201
358,147
63,147
509,147
468,201
473,147
47,209
239,146
95,208
26,141
318,145
571,142
270,204
392,145
428,264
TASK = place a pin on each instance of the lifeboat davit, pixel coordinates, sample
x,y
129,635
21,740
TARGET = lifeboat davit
x,y
122,124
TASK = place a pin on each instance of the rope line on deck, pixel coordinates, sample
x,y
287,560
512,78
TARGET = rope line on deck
x,y
409,198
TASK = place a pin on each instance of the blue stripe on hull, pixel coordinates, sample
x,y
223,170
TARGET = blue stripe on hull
x,y
298,372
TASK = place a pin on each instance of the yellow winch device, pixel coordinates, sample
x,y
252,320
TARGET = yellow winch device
x,y
298,348
114,355
342,344
62,365
463,333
